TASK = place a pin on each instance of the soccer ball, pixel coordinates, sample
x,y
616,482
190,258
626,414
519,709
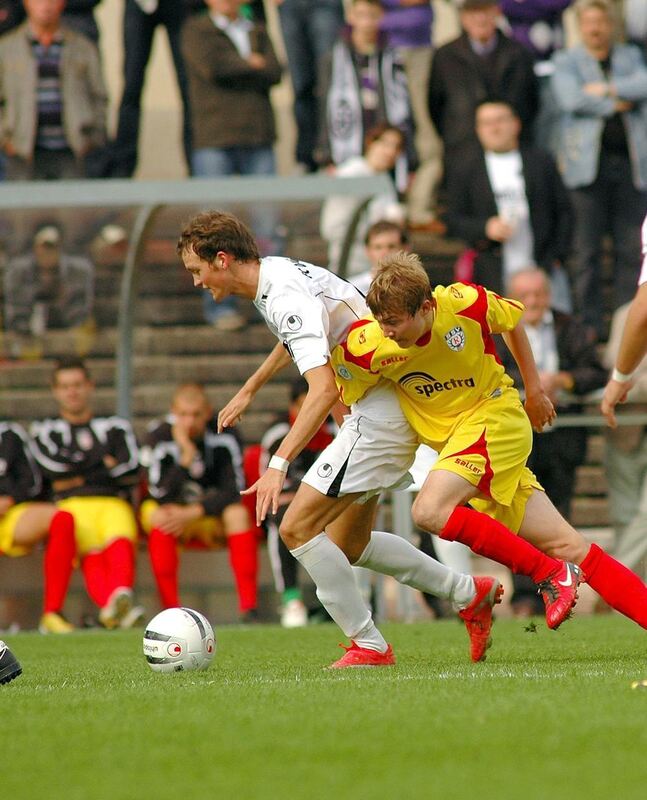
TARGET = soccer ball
x,y
179,639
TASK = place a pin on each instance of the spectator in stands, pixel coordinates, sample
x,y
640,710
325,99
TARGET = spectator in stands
x,y
194,481
408,27
635,18
626,463
231,66
507,202
25,521
601,91
48,289
537,25
79,15
344,221
382,239
482,63
310,28
294,613
362,85
52,97
569,368
141,19
91,463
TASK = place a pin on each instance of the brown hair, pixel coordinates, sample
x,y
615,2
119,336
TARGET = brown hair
x,y
386,226
400,284
212,231
70,362
377,131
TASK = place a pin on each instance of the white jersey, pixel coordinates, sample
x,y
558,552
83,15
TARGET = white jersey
x,y
643,271
310,310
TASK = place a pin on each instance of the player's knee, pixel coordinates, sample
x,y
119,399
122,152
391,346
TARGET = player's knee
x,y
570,546
235,518
428,516
291,533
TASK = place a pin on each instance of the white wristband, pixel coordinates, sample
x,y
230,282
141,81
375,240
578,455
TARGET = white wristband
x,y
621,377
276,462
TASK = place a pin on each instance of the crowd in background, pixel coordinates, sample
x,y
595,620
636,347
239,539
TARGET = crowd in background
x,y
529,150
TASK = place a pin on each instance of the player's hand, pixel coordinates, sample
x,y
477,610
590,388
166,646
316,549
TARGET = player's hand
x,y
614,392
268,492
540,410
233,411
6,501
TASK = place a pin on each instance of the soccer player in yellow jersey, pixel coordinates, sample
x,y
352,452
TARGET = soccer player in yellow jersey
x,y
438,350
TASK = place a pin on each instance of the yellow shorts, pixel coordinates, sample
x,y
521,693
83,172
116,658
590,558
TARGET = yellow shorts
x,y
98,521
489,448
7,527
208,530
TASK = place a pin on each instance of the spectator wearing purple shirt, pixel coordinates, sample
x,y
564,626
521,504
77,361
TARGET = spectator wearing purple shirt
x,y
407,25
537,25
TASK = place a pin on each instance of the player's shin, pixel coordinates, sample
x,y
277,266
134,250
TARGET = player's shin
x,y
392,555
619,586
59,561
337,591
488,537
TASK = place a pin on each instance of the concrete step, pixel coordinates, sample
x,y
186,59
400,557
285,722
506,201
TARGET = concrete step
x,y
590,512
591,480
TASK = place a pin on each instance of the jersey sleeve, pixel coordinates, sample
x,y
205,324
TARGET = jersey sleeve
x,y
302,325
352,361
503,314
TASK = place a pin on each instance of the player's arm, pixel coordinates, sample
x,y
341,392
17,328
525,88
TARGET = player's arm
x,y
321,397
633,347
277,360
538,406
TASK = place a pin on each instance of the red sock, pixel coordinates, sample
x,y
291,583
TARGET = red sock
x,y
59,560
162,549
488,537
119,564
94,573
243,557
618,585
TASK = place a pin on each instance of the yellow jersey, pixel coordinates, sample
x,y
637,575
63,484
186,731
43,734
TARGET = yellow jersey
x,y
447,373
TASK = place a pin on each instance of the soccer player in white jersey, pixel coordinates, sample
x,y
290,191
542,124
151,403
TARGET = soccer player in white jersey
x,y
632,347
328,524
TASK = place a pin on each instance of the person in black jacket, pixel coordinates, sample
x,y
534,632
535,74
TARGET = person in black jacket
x,y
569,368
507,202
195,476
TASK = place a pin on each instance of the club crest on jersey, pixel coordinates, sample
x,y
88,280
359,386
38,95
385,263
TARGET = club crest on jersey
x,y
294,323
455,339
344,373
84,439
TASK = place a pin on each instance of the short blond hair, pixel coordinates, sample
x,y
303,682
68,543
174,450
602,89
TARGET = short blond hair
x,y
600,5
400,285
191,392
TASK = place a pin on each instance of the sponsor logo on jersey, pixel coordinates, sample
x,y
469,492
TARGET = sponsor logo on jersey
x,y
425,384
468,465
393,360
344,373
84,439
455,339
294,323
324,471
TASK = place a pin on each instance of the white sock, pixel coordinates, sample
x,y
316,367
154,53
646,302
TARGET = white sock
x,y
393,555
337,591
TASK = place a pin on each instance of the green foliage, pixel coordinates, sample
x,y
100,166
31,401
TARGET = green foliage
x,y
549,715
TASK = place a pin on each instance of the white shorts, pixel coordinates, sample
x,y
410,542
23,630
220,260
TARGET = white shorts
x,y
368,455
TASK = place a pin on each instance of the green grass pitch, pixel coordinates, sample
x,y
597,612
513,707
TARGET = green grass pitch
x,y
549,716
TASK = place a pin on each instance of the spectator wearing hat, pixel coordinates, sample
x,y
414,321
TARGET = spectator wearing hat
x,y
44,289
